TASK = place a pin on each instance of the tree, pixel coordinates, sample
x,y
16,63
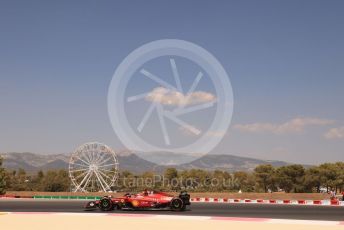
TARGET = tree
x,y
328,174
244,181
2,179
126,174
312,179
199,179
264,175
35,183
332,175
171,173
56,181
171,178
20,181
291,178
10,179
148,181
221,181
340,176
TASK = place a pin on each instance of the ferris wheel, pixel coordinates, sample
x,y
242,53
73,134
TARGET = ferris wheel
x,y
93,167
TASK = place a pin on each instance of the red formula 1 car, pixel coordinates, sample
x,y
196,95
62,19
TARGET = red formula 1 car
x,y
151,200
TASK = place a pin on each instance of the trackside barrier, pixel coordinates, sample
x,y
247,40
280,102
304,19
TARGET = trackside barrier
x,y
53,197
260,201
68,197
13,196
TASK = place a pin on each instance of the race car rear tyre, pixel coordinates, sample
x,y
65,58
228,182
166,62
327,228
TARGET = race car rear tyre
x,y
177,204
105,204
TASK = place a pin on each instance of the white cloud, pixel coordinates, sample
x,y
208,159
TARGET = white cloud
x,y
215,133
295,125
185,131
189,130
335,133
174,98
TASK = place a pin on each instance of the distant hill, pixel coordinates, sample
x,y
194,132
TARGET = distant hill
x,y
33,162
227,163
55,164
133,163
169,158
130,161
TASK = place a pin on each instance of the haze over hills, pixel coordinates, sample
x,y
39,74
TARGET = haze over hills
x,y
32,162
130,161
169,158
228,163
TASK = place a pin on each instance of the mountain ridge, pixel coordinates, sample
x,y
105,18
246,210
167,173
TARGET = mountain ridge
x,y
130,161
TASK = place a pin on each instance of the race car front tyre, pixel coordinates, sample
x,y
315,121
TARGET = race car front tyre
x,y
105,204
177,204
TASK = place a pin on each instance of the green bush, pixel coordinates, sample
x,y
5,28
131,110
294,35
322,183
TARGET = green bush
x,y
2,179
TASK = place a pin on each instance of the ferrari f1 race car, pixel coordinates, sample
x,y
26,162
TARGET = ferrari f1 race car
x,y
151,200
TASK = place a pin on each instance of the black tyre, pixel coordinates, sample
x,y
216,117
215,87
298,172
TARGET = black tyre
x,y
177,204
105,204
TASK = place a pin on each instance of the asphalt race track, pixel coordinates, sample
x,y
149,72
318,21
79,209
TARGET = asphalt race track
x,y
196,209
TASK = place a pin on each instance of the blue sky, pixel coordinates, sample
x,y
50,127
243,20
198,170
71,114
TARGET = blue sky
x,y
285,60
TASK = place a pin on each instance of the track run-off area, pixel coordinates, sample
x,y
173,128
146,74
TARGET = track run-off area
x,y
242,210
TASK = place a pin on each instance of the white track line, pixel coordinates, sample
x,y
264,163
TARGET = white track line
x,y
181,217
